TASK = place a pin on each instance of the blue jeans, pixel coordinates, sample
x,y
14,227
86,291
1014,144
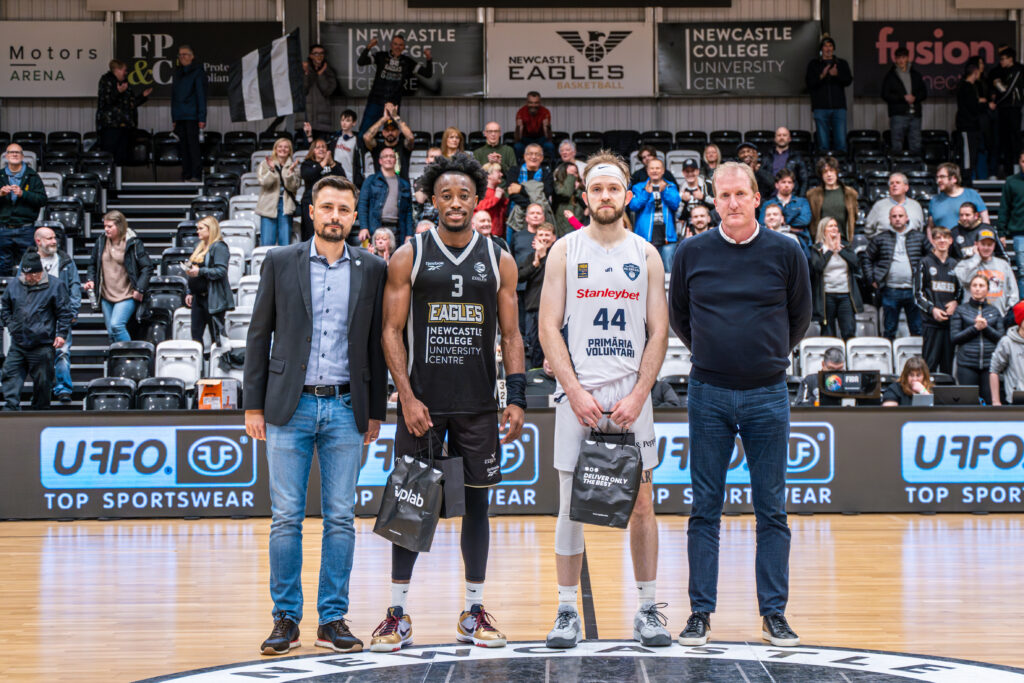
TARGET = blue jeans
x,y
1018,250
548,145
668,254
830,129
62,366
276,231
906,128
893,301
116,317
328,425
371,114
761,418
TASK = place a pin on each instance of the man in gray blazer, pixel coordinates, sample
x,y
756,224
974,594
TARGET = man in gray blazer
x,y
322,385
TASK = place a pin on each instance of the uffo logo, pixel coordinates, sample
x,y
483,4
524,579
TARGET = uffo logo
x,y
411,497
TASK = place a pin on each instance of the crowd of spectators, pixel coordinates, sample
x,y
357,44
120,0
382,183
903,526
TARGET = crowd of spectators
x,y
939,263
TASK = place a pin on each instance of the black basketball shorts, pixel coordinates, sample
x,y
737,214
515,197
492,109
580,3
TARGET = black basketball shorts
x,y
474,438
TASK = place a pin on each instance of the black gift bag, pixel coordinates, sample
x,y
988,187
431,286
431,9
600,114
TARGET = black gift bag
x,y
606,480
411,505
453,500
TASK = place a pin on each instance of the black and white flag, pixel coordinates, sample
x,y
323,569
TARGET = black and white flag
x,y
267,82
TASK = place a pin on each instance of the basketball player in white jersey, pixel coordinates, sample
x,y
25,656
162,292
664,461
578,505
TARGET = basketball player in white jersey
x,y
606,286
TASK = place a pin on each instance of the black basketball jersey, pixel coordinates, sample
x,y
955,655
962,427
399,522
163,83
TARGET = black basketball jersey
x,y
453,314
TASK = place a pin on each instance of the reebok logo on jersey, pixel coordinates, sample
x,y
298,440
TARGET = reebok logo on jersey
x,y
434,265
613,294
456,313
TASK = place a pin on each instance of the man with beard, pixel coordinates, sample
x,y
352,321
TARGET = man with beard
x,y
321,386
448,290
318,84
607,285
58,264
393,69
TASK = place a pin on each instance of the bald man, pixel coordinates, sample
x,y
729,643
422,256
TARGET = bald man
x,y
58,264
493,151
482,223
781,156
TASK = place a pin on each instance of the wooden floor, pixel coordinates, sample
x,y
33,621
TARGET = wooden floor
x,y
102,601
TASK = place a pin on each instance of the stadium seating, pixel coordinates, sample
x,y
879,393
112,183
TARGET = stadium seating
x,y
905,348
110,393
131,359
811,351
869,353
179,358
161,393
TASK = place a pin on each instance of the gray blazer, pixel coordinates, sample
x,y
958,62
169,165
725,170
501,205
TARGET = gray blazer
x,y
274,375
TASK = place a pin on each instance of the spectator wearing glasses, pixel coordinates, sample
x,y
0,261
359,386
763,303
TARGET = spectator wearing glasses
x,y
21,196
494,151
878,216
318,84
945,206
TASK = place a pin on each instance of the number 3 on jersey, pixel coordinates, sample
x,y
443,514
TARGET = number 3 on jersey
x,y
618,319
457,285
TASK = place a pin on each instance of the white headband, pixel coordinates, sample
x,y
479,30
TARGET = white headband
x,y
608,171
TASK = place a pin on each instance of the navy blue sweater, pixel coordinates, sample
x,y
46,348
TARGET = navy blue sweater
x,y
740,308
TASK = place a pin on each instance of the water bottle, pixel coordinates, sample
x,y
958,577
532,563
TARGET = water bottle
x,y
202,136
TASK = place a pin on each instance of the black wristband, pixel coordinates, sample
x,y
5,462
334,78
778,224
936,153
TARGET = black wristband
x,y
515,390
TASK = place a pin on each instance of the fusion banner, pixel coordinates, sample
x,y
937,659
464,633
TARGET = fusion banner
x,y
570,60
175,464
457,51
151,49
938,49
53,58
735,59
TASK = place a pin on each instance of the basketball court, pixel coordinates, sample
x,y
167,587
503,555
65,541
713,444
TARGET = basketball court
x,y
873,597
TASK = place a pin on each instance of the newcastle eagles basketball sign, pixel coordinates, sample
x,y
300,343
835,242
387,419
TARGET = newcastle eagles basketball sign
x,y
570,60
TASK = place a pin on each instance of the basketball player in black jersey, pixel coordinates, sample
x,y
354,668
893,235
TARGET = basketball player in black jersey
x,y
447,291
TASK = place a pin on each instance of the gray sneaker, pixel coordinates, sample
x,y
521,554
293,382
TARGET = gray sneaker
x,y
649,625
567,631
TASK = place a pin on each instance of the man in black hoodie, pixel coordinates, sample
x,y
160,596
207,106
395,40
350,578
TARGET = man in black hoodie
x,y
971,108
903,89
37,311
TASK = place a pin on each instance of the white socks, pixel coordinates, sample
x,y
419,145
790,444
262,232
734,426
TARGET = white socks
x,y
645,590
474,595
567,596
399,593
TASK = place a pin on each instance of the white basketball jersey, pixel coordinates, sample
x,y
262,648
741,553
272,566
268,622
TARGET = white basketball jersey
x,y
605,308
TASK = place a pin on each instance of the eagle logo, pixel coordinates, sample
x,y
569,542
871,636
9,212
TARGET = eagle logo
x,y
594,49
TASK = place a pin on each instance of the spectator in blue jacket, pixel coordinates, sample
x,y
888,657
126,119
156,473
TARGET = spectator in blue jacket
x,y
188,110
58,264
385,201
795,210
654,203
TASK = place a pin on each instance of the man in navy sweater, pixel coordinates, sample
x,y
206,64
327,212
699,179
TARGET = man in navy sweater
x,y
740,299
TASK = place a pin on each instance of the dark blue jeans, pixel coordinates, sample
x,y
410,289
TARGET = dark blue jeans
x,y
893,301
761,418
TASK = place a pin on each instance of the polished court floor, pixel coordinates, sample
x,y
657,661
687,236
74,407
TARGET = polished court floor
x,y
125,600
